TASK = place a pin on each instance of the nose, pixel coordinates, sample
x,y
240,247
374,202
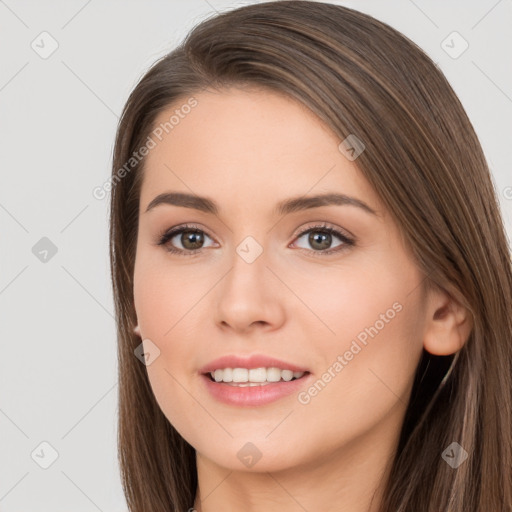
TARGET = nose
x,y
249,296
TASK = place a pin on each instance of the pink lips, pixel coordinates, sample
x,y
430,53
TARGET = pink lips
x,y
251,396
254,361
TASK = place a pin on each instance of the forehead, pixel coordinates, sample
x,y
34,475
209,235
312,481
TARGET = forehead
x,y
249,147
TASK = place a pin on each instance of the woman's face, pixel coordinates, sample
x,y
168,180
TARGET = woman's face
x,y
345,306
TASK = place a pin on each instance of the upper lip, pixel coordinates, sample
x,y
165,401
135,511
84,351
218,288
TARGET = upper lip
x,y
253,361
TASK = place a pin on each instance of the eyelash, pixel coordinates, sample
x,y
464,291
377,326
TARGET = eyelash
x,y
167,235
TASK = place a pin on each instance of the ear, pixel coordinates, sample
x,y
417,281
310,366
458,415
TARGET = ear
x,y
448,324
136,330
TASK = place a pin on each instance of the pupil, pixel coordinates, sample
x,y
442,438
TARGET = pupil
x,y
194,237
323,239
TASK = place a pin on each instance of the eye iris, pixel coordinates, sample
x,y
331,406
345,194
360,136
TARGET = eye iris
x,y
322,238
195,237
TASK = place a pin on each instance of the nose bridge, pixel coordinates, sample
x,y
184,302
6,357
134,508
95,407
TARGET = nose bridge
x,y
248,293
250,249
248,267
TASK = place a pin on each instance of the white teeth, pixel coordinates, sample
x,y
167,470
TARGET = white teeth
x,y
287,375
254,375
227,375
273,374
239,374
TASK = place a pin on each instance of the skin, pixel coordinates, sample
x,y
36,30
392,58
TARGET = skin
x,y
248,149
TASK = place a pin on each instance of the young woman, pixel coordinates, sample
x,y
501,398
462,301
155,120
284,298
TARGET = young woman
x,y
312,281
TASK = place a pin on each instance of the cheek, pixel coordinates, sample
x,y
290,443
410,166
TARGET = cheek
x,y
164,298
345,299
369,362
162,295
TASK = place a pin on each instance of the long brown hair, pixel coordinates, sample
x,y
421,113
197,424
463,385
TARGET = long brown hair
x,y
424,159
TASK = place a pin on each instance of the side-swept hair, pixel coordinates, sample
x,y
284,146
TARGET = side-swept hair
x,y
424,160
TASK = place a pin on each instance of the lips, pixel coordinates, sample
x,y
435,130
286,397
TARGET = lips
x,y
253,395
250,362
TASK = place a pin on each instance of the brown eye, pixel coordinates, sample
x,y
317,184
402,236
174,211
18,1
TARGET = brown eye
x,y
190,238
321,238
320,241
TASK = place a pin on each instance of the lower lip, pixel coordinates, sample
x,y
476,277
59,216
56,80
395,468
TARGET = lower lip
x,y
251,396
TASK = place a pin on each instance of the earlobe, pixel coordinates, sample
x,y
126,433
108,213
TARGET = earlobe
x,y
136,330
448,325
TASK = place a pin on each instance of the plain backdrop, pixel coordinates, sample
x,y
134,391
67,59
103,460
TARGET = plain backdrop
x,y
67,68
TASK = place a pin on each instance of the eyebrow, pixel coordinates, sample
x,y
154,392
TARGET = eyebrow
x,y
285,207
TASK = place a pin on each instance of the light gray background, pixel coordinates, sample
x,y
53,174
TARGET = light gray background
x,y
58,117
